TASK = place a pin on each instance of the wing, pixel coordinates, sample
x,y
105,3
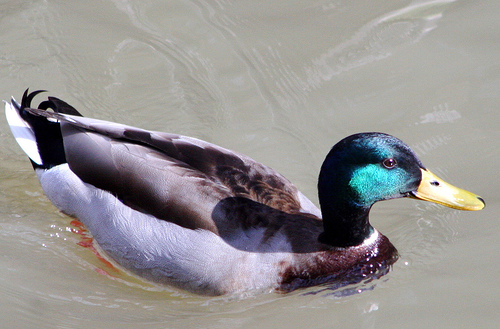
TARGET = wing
x,y
172,177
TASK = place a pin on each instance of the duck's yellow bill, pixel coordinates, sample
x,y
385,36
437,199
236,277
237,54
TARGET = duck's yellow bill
x,y
434,189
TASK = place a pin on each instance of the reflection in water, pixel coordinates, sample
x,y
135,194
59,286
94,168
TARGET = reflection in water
x,y
441,115
431,144
376,40
349,288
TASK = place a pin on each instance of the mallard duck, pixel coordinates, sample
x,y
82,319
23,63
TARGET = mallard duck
x,y
180,211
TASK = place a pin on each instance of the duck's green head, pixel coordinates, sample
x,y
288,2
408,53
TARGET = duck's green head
x,y
368,167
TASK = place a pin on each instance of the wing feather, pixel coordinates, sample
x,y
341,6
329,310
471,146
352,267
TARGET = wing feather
x,y
173,177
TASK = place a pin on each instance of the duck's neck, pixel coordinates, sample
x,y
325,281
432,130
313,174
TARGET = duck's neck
x,y
345,216
345,224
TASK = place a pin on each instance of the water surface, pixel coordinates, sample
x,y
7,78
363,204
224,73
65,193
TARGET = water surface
x,y
281,82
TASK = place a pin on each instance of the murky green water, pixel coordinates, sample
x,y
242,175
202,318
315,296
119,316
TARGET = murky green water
x,y
281,82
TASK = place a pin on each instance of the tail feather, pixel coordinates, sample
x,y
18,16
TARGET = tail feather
x,y
39,137
58,106
28,97
22,132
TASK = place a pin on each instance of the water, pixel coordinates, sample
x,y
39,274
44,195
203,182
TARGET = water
x,y
281,82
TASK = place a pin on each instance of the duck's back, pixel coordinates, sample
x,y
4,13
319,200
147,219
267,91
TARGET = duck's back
x,y
176,178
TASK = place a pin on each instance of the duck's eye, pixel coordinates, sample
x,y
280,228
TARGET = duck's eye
x,y
389,163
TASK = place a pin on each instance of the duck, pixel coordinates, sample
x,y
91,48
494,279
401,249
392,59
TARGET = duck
x,y
185,213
